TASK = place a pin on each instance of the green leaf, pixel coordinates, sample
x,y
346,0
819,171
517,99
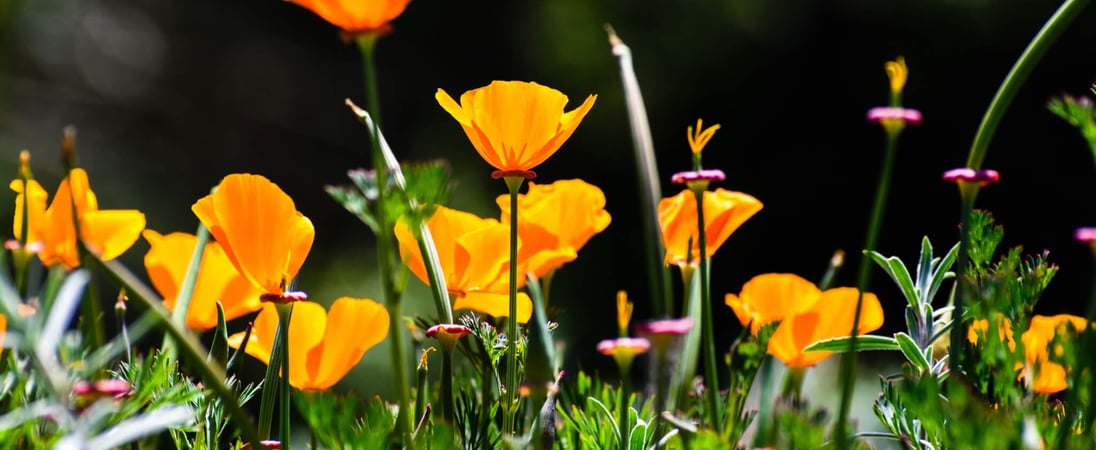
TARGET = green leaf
x,y
940,274
865,342
912,351
897,271
355,202
218,349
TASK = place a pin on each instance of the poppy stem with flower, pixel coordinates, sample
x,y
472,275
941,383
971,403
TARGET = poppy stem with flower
x,y
893,120
510,409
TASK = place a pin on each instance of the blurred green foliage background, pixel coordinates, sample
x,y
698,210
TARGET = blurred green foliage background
x,y
170,96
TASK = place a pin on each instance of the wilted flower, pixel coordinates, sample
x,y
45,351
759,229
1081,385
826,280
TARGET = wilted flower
x,y
167,261
515,125
555,221
475,264
323,346
724,212
260,230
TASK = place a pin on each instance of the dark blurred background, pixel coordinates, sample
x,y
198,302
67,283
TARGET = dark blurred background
x,y
170,96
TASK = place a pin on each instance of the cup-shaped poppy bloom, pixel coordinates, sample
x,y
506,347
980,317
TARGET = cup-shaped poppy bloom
x,y
107,233
356,16
323,346
724,212
831,316
166,262
515,125
475,260
260,230
555,221
1049,377
771,297
34,199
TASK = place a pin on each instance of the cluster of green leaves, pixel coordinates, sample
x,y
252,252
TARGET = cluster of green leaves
x,y
588,408
345,420
1079,112
50,377
987,405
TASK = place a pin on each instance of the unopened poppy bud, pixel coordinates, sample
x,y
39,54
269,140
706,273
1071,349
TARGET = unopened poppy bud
x,y
68,147
24,164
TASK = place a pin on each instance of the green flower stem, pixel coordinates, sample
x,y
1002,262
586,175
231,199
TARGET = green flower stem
x,y
1021,70
1034,52
793,383
425,238
285,313
271,387
385,238
658,273
958,341
448,407
681,381
707,328
847,376
186,290
211,375
510,400
624,394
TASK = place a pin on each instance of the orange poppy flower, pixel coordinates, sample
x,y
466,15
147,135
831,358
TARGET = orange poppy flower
x,y
323,346
724,212
474,257
771,297
1049,377
515,125
166,262
829,317
356,16
107,233
555,221
260,230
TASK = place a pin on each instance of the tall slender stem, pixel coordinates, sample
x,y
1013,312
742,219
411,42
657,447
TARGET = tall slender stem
x,y
1021,70
510,400
1019,73
186,289
285,313
707,328
658,273
404,421
863,281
